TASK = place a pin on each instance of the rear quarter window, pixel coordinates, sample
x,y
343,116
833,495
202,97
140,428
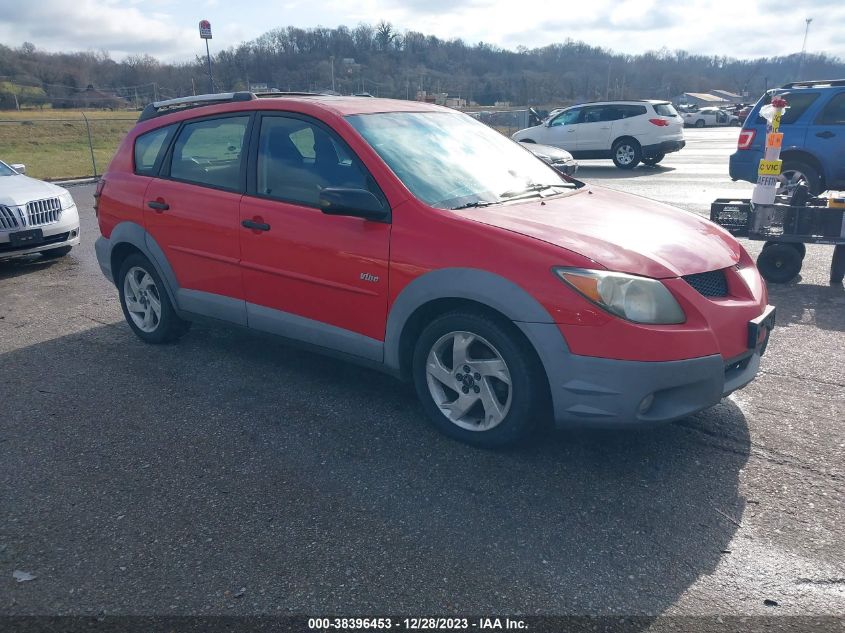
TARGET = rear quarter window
x,y
628,111
665,109
797,105
149,150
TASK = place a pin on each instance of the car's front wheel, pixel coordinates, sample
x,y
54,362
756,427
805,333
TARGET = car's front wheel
x,y
477,380
626,154
146,305
699,123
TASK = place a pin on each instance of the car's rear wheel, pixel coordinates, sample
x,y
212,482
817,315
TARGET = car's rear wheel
x,y
779,263
477,381
653,160
146,305
699,123
796,173
626,153
55,253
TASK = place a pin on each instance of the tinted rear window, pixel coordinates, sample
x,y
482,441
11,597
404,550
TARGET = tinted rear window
x,y
665,109
798,102
628,111
834,111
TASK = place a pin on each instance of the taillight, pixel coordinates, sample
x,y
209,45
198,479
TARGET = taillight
x,y
97,193
659,122
746,137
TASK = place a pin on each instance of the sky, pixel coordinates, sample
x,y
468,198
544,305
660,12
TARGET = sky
x,y
167,29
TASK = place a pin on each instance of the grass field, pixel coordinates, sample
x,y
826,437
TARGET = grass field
x,y
53,144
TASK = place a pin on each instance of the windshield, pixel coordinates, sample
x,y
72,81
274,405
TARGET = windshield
x,y
5,170
450,160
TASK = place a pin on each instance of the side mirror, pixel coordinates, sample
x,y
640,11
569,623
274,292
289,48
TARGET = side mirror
x,y
357,203
19,167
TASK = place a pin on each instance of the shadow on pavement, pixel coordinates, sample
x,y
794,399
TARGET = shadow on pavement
x,y
609,171
28,265
144,479
805,303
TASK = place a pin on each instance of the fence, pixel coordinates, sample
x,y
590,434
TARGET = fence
x,y
56,146
59,145
505,121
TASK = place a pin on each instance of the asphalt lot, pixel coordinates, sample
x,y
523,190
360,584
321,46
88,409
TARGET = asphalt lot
x,y
230,474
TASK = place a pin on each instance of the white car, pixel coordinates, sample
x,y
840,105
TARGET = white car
x,y
628,132
710,117
35,216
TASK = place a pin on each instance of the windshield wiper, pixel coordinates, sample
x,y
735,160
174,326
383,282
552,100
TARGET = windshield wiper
x,y
472,205
534,188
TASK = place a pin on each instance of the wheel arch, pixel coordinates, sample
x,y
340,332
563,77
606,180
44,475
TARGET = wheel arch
x,y
446,290
127,238
626,137
802,155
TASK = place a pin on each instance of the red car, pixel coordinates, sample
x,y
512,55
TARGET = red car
x,y
414,239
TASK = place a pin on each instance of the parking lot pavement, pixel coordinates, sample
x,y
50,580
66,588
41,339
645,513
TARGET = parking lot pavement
x,y
231,474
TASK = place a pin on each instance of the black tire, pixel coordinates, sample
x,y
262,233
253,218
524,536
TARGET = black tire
x,y
55,253
169,326
653,160
526,395
699,123
798,246
811,175
779,263
631,149
837,265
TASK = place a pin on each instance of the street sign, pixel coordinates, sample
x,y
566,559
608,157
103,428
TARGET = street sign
x,y
205,29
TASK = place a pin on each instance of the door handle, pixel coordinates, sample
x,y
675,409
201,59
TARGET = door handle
x,y
255,226
825,134
158,206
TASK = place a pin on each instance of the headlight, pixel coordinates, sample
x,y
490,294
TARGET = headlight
x,y
66,200
637,299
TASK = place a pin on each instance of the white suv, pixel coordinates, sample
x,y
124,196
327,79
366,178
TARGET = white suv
x,y
627,132
35,216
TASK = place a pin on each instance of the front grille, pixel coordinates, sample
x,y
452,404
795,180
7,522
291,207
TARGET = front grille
x,y
41,212
8,218
710,284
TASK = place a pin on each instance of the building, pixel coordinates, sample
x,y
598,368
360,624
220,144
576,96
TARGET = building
x,y
700,99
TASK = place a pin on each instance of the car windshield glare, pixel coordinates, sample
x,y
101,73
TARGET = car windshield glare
x,y
450,160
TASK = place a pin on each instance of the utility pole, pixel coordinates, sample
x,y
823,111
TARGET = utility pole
x,y
332,61
804,48
607,89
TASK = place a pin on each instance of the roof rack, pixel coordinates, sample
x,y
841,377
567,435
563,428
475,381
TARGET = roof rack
x,y
816,83
160,108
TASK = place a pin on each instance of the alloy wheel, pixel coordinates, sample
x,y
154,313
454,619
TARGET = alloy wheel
x,y
143,301
469,381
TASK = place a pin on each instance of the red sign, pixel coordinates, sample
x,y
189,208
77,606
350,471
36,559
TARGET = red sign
x,y
205,29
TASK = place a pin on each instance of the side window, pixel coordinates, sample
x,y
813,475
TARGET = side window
x,y
798,102
594,115
628,111
148,149
296,159
567,118
209,152
834,111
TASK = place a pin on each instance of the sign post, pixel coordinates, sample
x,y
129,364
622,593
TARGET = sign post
x,y
205,33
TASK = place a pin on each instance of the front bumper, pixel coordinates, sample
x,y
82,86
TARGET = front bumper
x,y
603,392
664,147
64,232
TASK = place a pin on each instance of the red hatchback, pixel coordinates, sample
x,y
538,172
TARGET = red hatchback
x,y
414,239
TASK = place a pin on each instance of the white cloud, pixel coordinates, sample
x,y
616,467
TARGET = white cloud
x,y
167,28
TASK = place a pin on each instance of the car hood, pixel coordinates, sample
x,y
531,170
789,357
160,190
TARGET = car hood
x,y
553,154
621,232
19,189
